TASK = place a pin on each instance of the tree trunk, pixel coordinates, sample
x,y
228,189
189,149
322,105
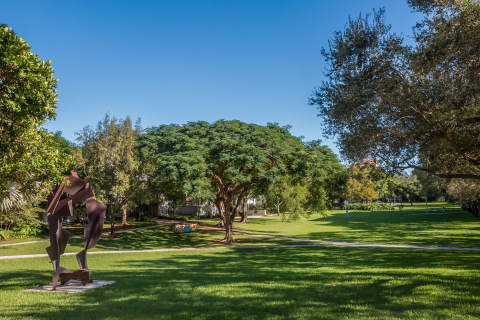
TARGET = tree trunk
x,y
243,214
218,204
228,224
112,221
124,215
229,234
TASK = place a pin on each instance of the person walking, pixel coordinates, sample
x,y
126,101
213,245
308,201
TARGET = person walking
x,y
346,214
443,209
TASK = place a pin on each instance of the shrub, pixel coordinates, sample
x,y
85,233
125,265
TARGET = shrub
x,y
5,234
24,231
374,206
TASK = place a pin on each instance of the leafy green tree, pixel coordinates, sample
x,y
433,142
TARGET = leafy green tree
x,y
28,98
277,193
464,191
409,107
409,187
360,185
108,159
385,184
337,182
430,186
62,144
226,159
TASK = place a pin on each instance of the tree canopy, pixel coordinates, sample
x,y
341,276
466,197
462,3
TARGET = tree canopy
x,y
360,185
222,161
108,159
28,158
406,106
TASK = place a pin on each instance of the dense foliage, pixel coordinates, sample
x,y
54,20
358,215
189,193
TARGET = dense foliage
x,y
224,160
24,231
27,99
108,160
359,184
407,107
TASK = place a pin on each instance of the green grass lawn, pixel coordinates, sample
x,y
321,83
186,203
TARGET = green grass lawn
x,y
379,227
279,283
284,283
77,230
158,238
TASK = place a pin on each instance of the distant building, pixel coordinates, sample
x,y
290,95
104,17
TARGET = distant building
x,y
369,163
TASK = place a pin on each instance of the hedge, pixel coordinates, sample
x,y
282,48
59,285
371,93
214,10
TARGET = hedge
x,y
374,206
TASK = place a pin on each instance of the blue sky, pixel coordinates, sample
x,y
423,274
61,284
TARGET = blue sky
x,y
178,61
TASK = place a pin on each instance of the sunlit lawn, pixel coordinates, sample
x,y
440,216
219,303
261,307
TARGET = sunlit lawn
x,y
379,227
284,283
266,283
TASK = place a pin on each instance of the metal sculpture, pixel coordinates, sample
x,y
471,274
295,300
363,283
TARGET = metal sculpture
x,y
78,190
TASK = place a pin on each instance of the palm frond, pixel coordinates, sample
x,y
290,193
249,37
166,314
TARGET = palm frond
x,y
14,198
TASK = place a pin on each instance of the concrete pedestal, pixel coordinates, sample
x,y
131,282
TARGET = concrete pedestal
x,y
72,286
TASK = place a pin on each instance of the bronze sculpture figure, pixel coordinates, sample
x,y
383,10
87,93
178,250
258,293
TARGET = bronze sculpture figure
x,y
78,190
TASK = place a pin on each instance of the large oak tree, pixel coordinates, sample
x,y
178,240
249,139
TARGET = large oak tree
x,y
225,160
410,107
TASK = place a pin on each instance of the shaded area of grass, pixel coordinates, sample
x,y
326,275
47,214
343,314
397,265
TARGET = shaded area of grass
x,y
77,230
286,283
157,238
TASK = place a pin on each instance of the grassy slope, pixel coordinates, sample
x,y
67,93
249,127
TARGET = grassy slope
x,y
300,283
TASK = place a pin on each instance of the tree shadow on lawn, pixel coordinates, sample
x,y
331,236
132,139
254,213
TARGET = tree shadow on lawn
x,y
312,283
163,238
385,227
456,230
158,238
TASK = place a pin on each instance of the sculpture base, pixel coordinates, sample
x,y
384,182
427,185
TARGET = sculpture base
x,y
84,276
72,286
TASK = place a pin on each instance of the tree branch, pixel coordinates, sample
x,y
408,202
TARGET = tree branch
x,y
440,175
